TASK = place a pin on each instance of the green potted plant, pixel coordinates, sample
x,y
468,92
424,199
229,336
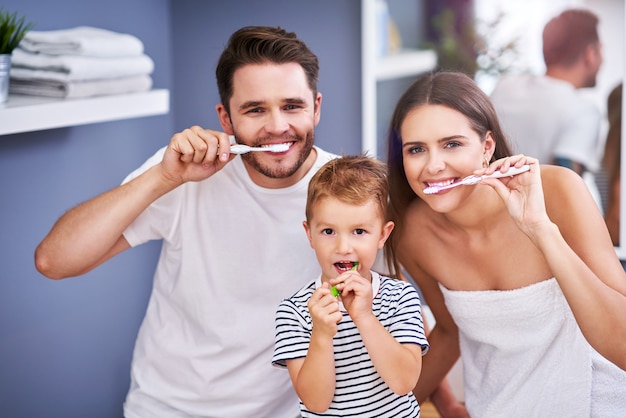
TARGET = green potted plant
x,y
12,31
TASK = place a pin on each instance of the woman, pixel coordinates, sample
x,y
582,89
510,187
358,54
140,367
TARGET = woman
x,y
519,272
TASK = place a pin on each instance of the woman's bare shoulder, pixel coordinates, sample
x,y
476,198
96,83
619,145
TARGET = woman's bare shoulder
x,y
555,177
567,197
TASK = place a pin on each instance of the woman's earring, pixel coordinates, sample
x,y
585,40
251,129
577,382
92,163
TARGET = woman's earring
x,y
485,162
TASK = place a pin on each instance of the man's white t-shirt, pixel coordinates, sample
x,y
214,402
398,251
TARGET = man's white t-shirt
x,y
544,117
231,252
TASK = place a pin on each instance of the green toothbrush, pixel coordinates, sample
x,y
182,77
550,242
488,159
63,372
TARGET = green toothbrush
x,y
334,290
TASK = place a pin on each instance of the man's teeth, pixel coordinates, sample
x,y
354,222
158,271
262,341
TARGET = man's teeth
x,y
289,144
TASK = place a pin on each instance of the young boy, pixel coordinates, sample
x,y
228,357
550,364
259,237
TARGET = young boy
x,y
358,353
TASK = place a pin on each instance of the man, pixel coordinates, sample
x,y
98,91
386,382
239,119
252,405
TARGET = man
x,y
545,116
232,242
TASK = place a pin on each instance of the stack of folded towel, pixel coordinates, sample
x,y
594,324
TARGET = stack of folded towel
x,y
79,62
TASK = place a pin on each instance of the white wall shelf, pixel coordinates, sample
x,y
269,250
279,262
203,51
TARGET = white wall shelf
x,y
405,63
22,113
374,68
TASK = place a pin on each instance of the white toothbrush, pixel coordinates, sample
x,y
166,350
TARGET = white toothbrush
x,y
469,180
242,149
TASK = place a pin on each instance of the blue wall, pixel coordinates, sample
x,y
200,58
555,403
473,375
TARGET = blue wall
x,y
65,346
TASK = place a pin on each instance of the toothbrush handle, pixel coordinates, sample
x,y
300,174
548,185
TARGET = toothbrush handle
x,y
236,148
510,172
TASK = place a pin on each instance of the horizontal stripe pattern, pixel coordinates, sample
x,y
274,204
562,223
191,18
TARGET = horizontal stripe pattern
x,y
359,390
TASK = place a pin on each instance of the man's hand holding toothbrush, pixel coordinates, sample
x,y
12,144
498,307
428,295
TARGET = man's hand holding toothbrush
x,y
195,154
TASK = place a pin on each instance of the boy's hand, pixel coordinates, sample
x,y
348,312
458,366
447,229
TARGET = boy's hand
x,y
324,309
355,292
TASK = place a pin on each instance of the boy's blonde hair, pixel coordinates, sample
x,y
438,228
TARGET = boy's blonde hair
x,y
352,179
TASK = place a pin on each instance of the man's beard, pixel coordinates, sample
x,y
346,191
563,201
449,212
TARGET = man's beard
x,y
281,172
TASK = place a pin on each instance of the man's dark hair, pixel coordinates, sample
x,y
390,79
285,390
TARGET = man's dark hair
x,y
566,36
262,45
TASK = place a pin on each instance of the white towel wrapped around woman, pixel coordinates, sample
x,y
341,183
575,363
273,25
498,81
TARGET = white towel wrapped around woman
x,y
524,356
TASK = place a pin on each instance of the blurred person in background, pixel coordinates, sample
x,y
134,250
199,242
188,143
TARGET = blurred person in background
x,y
546,116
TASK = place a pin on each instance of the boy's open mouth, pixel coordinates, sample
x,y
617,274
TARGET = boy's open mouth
x,y
346,265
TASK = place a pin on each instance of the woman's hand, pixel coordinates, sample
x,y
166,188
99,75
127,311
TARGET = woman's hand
x,y
522,194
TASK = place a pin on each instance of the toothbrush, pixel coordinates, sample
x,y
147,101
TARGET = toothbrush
x,y
469,180
334,289
242,149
